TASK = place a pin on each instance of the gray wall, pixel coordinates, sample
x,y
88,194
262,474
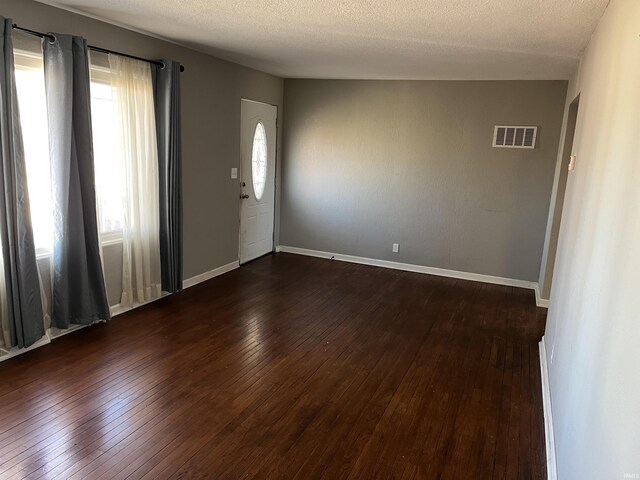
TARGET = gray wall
x,y
370,163
211,93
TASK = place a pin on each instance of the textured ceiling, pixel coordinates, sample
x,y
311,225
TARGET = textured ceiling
x,y
400,39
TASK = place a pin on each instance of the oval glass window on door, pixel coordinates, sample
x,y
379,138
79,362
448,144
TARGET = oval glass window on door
x,y
259,160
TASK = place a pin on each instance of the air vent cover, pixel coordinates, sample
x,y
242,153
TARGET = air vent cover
x,y
514,136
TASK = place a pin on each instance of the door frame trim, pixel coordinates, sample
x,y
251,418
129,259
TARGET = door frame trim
x,y
276,203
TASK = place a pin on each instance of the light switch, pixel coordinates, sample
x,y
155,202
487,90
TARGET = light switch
x,y
572,163
234,173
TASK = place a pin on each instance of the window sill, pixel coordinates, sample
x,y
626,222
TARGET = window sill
x,y
111,240
44,254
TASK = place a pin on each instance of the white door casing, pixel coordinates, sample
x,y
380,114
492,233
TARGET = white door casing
x,y
257,182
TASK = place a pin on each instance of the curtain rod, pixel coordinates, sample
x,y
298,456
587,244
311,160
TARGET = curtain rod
x,y
91,47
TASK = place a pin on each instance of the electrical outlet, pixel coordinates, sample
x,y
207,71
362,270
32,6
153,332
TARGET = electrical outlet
x,y
396,248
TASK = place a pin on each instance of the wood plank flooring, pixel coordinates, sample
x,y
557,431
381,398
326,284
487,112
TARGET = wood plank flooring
x,y
289,367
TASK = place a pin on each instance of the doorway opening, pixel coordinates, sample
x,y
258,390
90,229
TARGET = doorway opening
x,y
567,149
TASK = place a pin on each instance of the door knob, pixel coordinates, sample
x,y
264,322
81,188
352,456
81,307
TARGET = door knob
x,y
244,195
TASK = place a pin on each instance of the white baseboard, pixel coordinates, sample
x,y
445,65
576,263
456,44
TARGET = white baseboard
x,y
203,277
189,282
408,267
550,442
13,352
50,334
119,309
53,333
541,302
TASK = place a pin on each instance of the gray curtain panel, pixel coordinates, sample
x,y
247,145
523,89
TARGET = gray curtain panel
x,y
79,294
166,90
26,322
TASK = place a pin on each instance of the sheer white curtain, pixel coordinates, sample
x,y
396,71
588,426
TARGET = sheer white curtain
x,y
133,93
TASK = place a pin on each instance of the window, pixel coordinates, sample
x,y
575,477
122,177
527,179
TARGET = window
x,y
125,161
108,155
259,160
33,118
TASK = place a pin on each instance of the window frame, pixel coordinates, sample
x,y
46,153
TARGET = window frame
x,y
32,61
100,74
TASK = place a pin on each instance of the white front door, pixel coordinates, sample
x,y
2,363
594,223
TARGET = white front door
x,y
257,179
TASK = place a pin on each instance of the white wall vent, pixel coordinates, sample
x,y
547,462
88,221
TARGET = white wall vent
x,y
514,136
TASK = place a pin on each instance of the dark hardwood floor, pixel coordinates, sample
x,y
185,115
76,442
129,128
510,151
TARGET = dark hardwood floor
x,y
289,367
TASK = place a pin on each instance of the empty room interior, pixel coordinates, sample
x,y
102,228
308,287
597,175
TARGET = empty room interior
x,y
320,240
